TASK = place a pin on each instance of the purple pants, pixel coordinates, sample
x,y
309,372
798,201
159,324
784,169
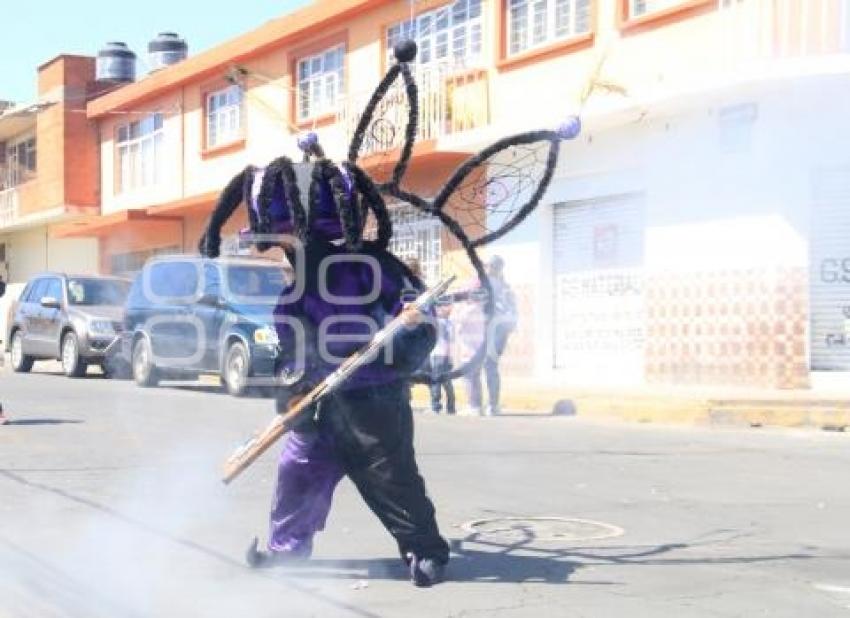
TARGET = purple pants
x,y
308,473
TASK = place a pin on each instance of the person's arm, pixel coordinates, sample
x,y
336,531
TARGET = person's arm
x,y
412,345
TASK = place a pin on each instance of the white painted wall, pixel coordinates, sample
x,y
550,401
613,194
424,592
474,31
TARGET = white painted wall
x,y
32,251
709,206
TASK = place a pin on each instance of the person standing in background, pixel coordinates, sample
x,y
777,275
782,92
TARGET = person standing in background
x,y
502,325
441,361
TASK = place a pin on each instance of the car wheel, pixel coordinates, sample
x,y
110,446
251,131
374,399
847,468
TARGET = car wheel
x,y
21,363
236,369
72,364
144,371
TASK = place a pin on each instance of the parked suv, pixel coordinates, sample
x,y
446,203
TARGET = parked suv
x,y
186,316
72,318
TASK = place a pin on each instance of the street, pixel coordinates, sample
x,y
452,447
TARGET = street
x,y
111,505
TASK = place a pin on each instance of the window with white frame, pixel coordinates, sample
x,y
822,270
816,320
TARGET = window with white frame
x,y
20,162
534,23
321,82
224,116
645,7
452,33
140,152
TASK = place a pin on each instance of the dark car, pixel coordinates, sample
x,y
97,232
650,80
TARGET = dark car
x,y
190,316
72,318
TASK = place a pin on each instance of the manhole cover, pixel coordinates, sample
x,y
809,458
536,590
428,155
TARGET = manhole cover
x,y
516,529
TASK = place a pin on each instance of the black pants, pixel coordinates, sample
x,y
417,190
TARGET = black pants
x,y
372,429
441,365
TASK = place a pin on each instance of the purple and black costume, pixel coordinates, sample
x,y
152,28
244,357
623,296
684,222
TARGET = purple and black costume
x,y
364,430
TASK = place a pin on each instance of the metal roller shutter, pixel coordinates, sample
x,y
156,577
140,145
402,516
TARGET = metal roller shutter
x,y
599,304
830,271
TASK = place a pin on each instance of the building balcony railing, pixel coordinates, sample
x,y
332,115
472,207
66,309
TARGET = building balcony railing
x,y
9,202
753,31
451,100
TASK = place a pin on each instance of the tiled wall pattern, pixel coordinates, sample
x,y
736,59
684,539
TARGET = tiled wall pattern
x,y
745,328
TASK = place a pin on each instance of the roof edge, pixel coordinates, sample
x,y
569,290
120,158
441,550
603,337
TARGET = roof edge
x,y
292,26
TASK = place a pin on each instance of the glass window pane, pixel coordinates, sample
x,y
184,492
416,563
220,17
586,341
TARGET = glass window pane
x,y
424,25
304,98
540,22
518,34
459,43
459,12
212,135
442,19
442,49
475,40
582,16
562,18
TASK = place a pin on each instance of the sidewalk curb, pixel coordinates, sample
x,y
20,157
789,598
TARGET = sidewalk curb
x,y
785,409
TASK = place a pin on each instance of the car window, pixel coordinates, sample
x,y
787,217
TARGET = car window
x,y
25,295
245,282
53,289
170,280
37,291
86,291
136,297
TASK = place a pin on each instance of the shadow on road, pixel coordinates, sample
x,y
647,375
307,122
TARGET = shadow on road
x,y
475,558
44,421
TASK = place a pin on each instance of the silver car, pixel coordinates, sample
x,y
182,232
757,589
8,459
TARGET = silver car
x,y
66,317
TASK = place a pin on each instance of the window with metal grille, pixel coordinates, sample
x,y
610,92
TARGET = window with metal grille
x,y
535,23
417,235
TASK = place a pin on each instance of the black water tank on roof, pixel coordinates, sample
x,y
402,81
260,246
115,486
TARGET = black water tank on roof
x,y
116,63
166,49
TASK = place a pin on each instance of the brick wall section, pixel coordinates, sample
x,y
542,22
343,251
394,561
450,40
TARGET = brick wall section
x,y
746,328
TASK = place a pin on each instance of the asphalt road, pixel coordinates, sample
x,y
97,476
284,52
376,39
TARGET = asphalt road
x,y
110,505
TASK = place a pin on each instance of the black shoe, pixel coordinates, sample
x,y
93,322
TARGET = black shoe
x,y
425,572
258,559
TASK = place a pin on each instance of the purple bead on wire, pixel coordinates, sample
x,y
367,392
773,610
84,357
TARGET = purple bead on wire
x,y
570,128
307,141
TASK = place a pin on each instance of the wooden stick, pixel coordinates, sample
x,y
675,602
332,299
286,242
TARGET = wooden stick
x,y
246,454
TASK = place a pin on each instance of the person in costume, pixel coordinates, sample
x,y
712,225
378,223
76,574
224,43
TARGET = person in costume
x,y
365,429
